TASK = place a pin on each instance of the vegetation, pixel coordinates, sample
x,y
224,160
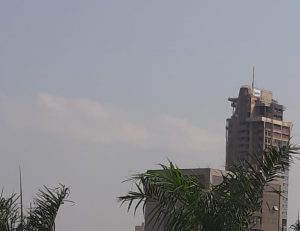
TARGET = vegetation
x,y
183,204
296,226
40,217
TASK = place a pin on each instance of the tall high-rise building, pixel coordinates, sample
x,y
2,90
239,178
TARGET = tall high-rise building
x,y
256,123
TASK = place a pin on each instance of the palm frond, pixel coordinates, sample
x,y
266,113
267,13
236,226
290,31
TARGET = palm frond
x,y
46,205
9,212
296,226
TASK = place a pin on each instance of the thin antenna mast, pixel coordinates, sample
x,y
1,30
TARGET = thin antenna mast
x,y
21,200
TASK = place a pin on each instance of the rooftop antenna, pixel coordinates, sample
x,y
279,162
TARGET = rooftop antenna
x,y
253,77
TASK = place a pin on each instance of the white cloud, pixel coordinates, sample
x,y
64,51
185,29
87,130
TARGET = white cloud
x,y
87,121
177,134
90,121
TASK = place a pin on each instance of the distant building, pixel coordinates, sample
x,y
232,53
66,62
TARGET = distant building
x,y
256,123
140,227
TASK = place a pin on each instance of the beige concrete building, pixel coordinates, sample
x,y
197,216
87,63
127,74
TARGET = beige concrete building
x,y
256,123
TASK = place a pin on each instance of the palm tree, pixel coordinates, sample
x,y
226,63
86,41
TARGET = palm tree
x,y
9,212
183,204
46,205
41,217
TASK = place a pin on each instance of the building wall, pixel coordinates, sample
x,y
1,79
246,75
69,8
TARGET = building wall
x,y
271,208
270,216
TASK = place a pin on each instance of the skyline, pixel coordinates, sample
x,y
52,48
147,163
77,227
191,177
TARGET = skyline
x,y
93,92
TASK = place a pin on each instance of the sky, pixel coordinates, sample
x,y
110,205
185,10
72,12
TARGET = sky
x,y
94,91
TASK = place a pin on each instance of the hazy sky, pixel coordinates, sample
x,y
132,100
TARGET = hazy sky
x,y
94,91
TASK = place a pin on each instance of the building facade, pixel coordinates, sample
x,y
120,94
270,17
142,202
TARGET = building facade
x,y
257,123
